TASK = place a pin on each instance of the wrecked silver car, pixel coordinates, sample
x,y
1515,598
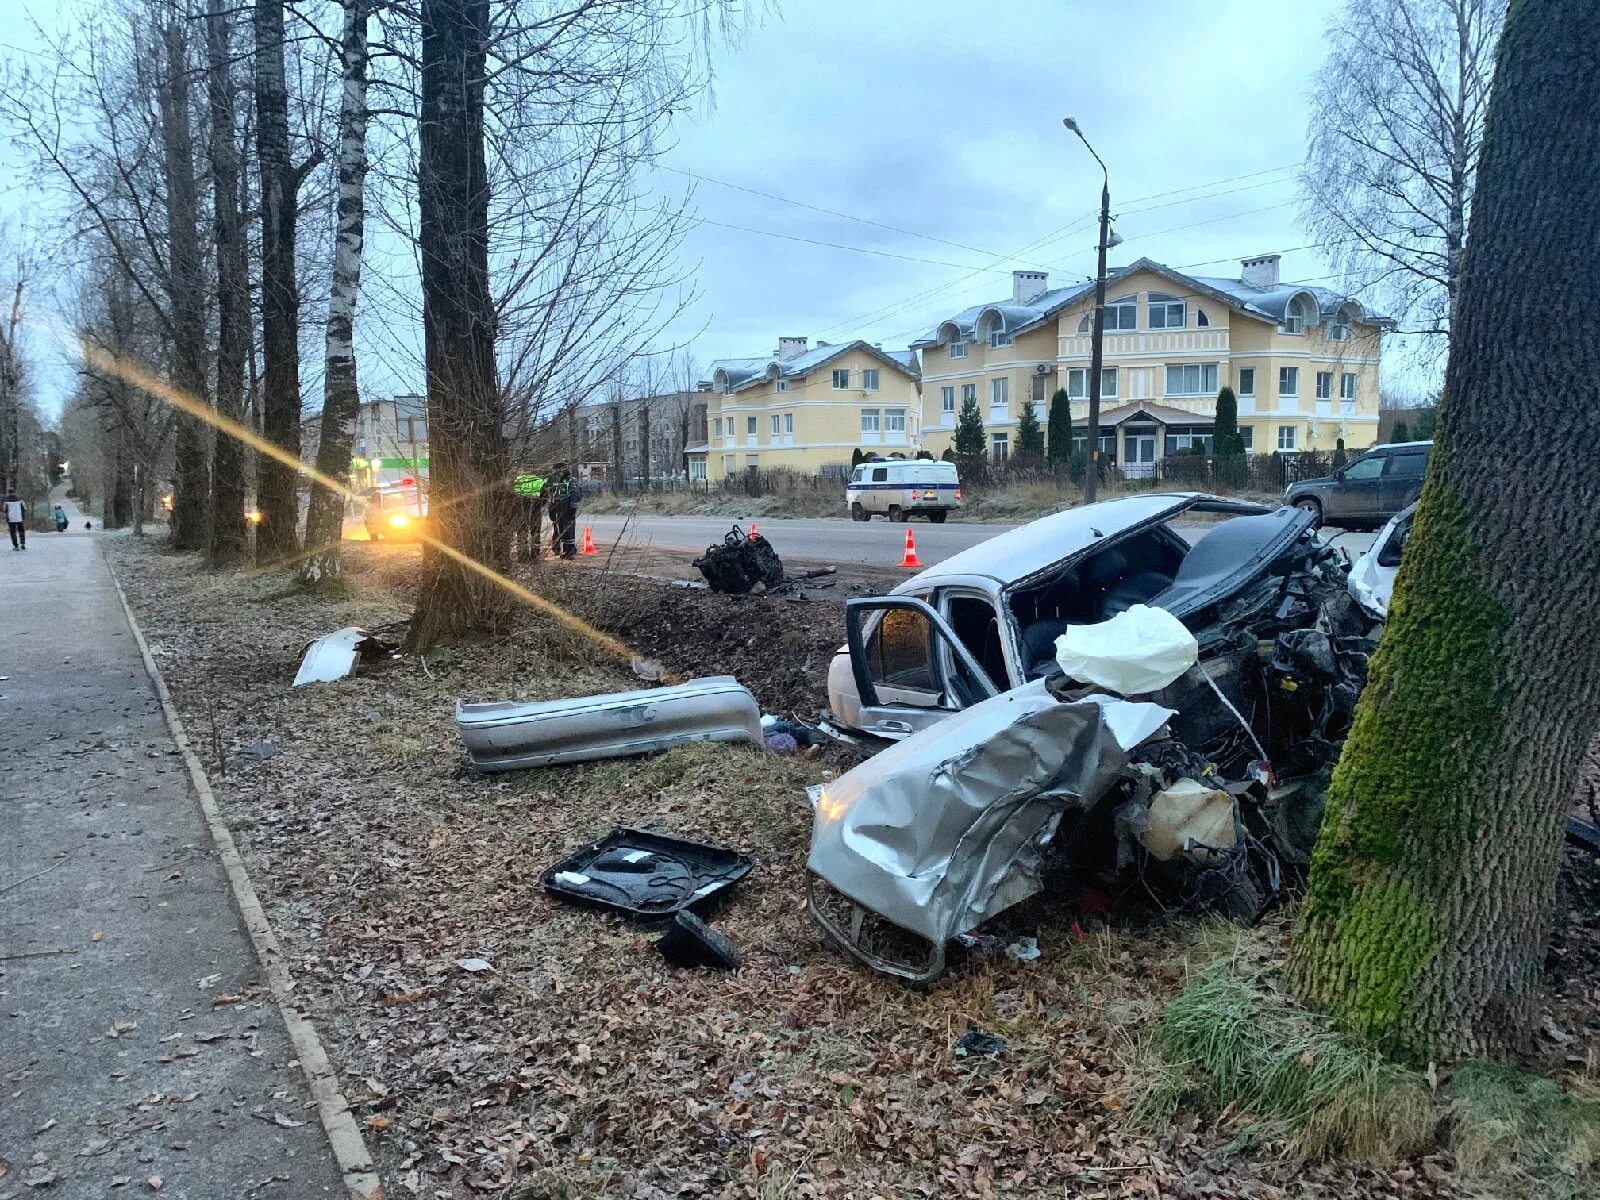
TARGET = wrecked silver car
x,y
1000,767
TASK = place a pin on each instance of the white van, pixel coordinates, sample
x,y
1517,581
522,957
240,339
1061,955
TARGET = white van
x,y
901,488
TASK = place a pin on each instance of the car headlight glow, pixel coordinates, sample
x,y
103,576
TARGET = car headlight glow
x,y
399,520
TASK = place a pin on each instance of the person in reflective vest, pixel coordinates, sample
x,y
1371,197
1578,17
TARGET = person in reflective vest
x,y
528,493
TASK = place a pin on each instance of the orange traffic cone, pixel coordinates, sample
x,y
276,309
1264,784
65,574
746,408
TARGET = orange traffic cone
x,y
588,541
910,560
752,529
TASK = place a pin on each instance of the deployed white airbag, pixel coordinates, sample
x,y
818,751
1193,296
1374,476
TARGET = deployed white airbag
x,y
1135,652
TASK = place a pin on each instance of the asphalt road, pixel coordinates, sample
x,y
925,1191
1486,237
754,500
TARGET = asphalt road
x,y
875,543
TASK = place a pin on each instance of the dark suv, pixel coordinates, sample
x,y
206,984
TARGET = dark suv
x,y
1367,491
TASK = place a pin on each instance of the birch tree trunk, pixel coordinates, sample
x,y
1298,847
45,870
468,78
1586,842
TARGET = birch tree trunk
x,y
341,400
468,474
1433,882
276,488
233,289
185,292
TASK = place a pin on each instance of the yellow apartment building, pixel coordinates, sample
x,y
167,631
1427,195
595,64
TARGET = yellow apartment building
x,y
809,407
1303,361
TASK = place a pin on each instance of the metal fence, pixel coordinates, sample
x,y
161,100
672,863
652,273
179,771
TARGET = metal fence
x,y
1258,473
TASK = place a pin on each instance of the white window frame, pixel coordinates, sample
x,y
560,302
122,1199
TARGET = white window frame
x,y
1294,319
1078,383
777,424
894,420
869,379
1001,442
957,348
1204,381
783,385
947,398
788,424
1324,385
969,391
869,421
999,338
1291,376
1248,434
716,424
697,470
1166,303
1245,390
1123,305
1347,387
841,379
750,427
1287,443
1039,389
1000,392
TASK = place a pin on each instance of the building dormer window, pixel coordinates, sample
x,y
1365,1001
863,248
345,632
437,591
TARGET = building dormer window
x,y
783,385
1122,316
1297,316
841,380
999,337
1339,327
957,349
1166,312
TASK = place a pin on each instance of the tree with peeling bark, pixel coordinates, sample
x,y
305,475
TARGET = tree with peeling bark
x,y
1396,125
341,400
228,540
277,488
1432,886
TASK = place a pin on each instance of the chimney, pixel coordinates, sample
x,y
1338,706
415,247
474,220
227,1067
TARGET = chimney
x,y
1027,286
1261,272
791,347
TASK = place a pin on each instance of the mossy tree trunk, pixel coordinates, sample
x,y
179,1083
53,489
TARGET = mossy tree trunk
x,y
1433,882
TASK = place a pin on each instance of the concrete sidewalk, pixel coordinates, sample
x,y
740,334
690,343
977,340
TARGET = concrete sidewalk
x,y
139,1044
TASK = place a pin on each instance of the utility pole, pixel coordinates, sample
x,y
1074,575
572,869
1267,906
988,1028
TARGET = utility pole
x,y
1091,475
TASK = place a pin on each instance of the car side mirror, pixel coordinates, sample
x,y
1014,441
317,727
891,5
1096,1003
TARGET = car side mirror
x,y
1339,474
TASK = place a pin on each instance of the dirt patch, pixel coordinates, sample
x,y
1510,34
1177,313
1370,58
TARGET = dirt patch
x,y
581,1065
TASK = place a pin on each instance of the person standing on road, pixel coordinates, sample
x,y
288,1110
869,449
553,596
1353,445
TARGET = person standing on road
x,y
60,516
564,513
16,514
529,490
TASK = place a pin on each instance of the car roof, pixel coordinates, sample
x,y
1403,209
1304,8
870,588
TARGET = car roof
x,y
1404,445
1024,551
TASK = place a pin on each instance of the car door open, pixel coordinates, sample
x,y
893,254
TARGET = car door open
x,y
910,669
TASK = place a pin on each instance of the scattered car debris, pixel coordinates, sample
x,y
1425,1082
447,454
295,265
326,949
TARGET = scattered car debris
x,y
783,735
647,669
740,563
946,829
507,735
473,966
690,942
337,654
645,875
975,1043
1024,950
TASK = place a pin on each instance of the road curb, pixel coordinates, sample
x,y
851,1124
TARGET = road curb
x,y
344,1135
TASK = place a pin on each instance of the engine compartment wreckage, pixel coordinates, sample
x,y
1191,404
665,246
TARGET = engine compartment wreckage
x,y
1161,722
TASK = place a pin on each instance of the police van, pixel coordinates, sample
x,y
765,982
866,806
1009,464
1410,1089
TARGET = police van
x,y
902,488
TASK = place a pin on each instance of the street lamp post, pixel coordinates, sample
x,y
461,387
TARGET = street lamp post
x,y
1091,475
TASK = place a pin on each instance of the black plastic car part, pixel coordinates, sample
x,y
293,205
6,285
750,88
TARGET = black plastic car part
x,y
643,875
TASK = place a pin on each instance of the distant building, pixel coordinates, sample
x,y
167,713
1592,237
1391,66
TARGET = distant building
x,y
1302,360
391,441
808,408
639,437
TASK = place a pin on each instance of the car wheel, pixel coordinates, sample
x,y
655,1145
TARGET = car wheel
x,y
857,513
1312,506
896,513
938,515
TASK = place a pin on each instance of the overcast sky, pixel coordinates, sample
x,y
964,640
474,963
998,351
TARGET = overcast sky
x,y
943,121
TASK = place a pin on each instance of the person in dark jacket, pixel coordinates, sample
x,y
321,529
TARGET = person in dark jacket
x,y
563,502
16,517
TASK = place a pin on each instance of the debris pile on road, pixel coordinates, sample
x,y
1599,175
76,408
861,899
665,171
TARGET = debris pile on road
x,y
740,563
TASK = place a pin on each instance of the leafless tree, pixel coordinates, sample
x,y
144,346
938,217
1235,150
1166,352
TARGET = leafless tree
x,y
341,400
1397,121
11,387
228,539
277,488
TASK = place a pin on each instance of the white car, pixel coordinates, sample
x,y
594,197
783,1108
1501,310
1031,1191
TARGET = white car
x,y
1372,577
903,488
